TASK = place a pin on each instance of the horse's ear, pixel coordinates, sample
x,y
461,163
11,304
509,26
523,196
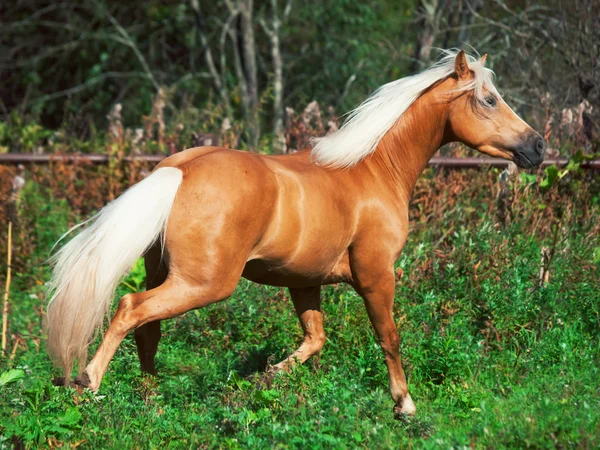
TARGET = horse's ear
x,y
461,66
482,60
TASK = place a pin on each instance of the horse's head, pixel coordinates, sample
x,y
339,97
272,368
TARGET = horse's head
x,y
479,117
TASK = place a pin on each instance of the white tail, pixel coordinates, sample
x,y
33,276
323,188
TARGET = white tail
x,y
88,269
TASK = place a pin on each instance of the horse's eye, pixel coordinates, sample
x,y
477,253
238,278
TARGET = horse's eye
x,y
490,101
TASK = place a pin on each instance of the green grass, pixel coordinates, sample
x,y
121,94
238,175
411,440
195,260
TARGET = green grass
x,y
492,360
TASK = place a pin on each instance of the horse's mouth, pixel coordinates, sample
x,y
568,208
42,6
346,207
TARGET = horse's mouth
x,y
522,161
527,160
530,152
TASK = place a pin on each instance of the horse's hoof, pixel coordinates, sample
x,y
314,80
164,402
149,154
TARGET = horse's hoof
x,y
277,369
406,409
82,380
60,381
273,370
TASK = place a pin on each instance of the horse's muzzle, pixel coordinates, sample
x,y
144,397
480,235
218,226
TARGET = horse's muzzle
x,y
531,152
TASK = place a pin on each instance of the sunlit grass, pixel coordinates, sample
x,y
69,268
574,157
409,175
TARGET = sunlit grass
x,y
492,359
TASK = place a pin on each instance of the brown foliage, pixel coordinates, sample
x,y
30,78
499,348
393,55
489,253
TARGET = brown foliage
x,y
302,128
443,201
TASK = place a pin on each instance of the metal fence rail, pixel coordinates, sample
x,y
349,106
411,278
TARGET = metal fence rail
x,y
446,162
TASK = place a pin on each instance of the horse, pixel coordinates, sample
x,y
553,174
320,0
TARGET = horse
x,y
335,212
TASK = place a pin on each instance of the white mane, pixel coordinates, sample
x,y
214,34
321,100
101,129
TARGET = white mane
x,y
372,119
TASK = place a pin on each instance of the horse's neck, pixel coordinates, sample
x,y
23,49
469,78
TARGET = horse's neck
x,y
403,153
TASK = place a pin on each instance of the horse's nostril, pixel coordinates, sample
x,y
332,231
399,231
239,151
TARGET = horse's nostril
x,y
540,145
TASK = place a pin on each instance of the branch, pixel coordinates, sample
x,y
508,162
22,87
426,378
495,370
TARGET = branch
x,y
286,10
268,31
496,24
218,78
351,81
223,38
89,83
135,49
49,51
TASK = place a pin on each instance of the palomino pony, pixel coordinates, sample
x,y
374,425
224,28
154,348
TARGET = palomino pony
x,y
337,213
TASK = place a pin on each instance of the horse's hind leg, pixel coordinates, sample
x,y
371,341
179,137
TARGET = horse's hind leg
x,y
170,299
148,335
307,302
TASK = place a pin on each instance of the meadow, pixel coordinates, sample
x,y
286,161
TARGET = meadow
x,y
497,297
496,356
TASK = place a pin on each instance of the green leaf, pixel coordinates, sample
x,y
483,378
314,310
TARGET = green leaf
x,y
551,177
239,382
267,397
11,376
596,255
528,178
70,419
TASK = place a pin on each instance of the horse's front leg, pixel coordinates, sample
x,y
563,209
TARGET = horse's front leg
x,y
376,286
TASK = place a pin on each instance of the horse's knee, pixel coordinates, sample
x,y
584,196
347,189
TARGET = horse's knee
x,y
390,344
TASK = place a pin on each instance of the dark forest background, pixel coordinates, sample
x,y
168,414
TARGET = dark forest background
x,y
497,295
159,74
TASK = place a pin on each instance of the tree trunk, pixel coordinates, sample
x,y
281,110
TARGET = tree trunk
x,y
278,136
274,38
219,81
428,23
249,57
